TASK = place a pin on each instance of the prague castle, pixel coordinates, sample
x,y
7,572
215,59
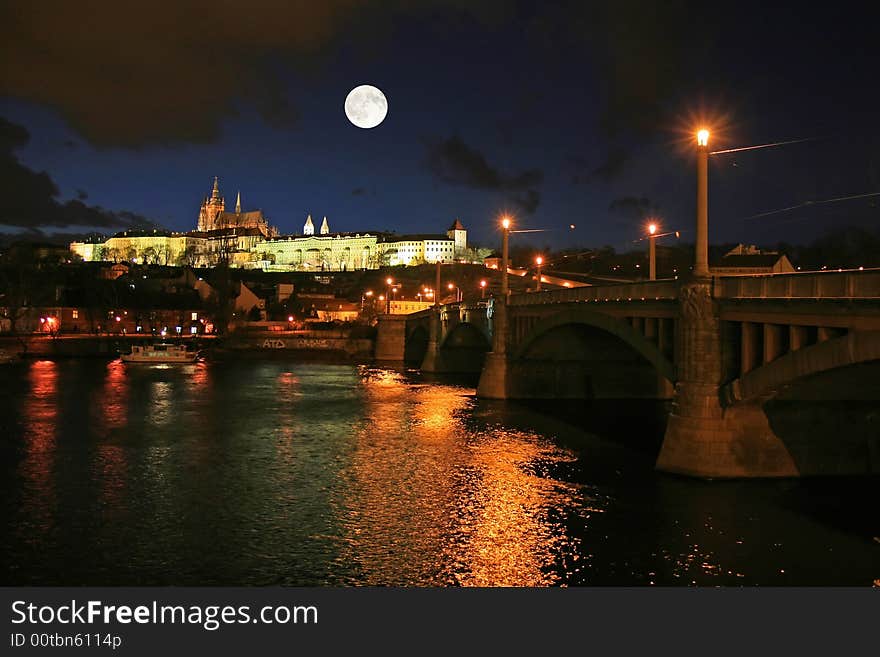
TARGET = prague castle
x,y
246,239
213,215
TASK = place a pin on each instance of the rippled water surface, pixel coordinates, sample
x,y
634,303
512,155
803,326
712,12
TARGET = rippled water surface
x,y
314,474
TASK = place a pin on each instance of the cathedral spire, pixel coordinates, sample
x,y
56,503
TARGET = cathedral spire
x,y
325,227
309,227
215,193
238,204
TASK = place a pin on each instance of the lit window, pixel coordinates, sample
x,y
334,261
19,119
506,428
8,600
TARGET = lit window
x,y
193,330
76,314
194,316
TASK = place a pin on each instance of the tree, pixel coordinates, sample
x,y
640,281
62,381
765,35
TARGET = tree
x,y
189,257
150,256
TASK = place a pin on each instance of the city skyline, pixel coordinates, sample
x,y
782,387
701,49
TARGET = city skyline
x,y
563,126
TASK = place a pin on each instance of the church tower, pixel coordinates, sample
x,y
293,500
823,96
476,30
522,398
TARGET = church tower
x,y
238,204
325,227
458,235
309,227
211,207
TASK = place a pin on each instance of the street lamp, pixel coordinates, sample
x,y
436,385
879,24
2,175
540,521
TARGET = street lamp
x,y
505,233
453,286
388,281
652,251
701,265
483,289
539,261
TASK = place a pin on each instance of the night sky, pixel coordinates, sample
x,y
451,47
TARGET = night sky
x,y
120,114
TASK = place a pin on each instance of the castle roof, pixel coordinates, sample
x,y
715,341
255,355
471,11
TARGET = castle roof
x,y
251,215
416,238
456,225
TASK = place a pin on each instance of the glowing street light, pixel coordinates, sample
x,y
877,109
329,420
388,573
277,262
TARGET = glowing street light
x,y
539,261
389,281
652,251
483,288
505,233
701,264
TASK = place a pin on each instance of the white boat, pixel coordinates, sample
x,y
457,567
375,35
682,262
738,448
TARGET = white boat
x,y
160,353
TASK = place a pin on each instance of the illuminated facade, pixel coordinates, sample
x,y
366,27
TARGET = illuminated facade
x,y
245,239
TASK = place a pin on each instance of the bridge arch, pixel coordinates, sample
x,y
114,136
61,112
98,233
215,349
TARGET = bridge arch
x,y
616,327
416,345
768,379
465,335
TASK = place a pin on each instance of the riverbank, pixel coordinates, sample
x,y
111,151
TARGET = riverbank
x,y
336,345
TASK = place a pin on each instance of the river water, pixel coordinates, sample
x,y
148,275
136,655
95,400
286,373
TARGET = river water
x,y
282,473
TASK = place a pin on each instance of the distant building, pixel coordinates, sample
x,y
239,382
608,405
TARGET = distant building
x,y
213,215
327,308
407,307
417,249
246,240
744,260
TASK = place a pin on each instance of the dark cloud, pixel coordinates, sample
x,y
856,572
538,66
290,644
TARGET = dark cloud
x,y
129,74
31,197
634,207
528,201
454,162
612,166
358,191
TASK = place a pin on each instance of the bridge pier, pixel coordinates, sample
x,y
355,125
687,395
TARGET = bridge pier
x,y
493,378
433,361
704,439
390,338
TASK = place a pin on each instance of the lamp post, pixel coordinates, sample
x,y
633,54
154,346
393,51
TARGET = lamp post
x,y
389,282
539,261
437,284
652,251
505,234
483,289
453,286
701,264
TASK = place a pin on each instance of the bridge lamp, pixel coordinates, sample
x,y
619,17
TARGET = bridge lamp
x,y
505,224
389,281
652,251
701,265
539,261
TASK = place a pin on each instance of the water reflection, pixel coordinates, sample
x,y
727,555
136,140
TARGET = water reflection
x,y
308,474
39,430
429,500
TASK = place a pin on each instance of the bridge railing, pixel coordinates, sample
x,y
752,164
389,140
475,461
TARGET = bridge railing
x,y
665,289
851,284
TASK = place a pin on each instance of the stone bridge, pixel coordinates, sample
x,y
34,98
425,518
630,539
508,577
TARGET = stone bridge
x,y
453,338
752,365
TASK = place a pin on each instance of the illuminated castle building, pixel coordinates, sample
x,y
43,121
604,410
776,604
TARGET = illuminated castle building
x,y
245,239
213,215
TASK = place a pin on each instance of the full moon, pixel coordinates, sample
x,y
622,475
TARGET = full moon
x,y
366,106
